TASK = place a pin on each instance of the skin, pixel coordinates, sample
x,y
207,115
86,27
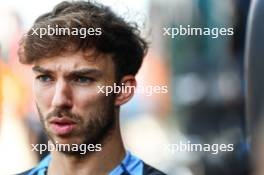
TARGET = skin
x,y
60,85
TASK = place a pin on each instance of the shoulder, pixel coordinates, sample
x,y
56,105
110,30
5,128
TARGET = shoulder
x,y
136,166
149,170
24,173
42,166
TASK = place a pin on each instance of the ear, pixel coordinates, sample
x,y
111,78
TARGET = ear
x,y
128,85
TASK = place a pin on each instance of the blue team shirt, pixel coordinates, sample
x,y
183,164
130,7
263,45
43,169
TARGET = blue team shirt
x,y
129,165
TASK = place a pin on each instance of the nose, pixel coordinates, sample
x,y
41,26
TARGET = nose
x,y
62,97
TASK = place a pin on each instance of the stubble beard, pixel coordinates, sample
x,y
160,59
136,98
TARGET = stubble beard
x,y
96,130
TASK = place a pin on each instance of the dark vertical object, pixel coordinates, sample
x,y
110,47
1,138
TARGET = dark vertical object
x,y
254,64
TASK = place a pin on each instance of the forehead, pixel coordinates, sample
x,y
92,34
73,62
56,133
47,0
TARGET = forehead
x,y
75,61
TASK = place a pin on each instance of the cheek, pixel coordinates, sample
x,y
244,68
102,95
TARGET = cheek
x,y
88,100
43,96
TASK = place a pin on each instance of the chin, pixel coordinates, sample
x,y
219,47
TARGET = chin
x,y
65,140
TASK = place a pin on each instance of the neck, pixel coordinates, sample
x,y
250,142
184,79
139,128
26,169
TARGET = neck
x,y
96,163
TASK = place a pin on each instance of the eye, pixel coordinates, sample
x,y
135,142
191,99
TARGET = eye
x,y
44,78
83,79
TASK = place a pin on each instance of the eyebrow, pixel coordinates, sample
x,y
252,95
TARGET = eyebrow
x,y
41,70
86,71
83,71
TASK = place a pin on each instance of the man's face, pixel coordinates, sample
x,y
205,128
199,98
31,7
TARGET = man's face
x,y
70,107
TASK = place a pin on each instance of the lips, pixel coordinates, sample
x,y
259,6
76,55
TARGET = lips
x,y
62,126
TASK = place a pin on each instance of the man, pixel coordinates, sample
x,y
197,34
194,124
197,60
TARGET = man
x,y
71,69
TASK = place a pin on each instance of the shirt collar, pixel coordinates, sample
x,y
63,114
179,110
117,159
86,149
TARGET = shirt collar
x,y
130,164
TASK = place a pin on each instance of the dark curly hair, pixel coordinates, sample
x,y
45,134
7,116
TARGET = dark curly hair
x,y
118,38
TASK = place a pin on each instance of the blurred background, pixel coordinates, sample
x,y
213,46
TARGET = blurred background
x,y
205,102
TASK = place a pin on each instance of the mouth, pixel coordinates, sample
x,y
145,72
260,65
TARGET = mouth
x,y
62,126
